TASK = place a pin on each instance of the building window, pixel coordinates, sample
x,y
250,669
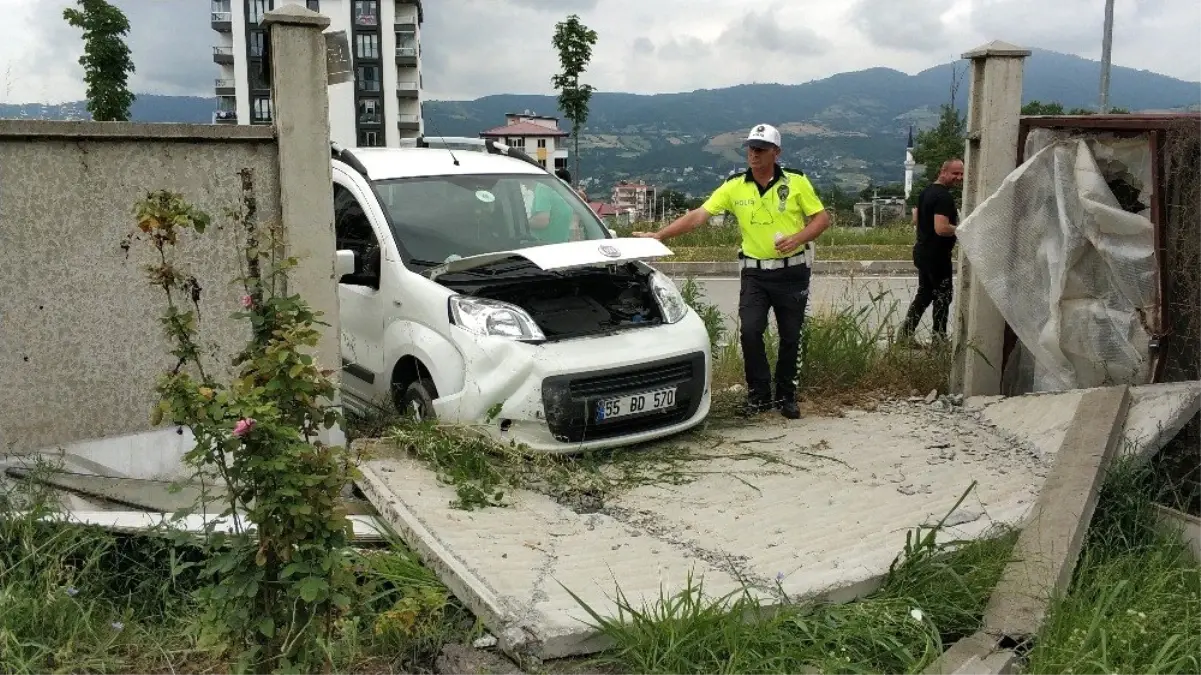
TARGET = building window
x,y
369,78
560,162
369,139
542,142
313,5
257,9
256,71
366,12
407,41
260,109
366,46
258,43
369,111
515,142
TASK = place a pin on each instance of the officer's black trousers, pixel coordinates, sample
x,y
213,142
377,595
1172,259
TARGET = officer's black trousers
x,y
934,286
786,291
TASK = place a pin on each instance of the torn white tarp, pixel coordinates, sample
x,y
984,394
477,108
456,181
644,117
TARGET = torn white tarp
x,y
1070,271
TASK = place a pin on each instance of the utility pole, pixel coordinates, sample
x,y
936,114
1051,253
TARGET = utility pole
x,y
1106,56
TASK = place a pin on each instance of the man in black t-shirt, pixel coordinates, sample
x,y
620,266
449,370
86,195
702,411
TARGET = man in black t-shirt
x,y
935,218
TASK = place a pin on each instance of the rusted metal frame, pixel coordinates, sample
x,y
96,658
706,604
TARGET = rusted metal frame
x,y
1120,125
1106,122
1159,214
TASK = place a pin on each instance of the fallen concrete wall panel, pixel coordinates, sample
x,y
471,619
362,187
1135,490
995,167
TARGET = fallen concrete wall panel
x,y
1052,537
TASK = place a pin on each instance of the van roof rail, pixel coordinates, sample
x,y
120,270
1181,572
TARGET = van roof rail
x,y
347,157
486,144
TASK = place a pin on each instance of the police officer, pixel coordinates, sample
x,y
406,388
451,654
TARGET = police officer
x,y
771,204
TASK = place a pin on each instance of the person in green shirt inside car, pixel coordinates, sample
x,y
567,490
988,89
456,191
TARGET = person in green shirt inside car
x,y
553,221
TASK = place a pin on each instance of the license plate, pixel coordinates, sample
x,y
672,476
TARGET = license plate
x,y
635,404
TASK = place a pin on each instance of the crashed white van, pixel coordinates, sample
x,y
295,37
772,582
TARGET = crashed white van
x,y
455,306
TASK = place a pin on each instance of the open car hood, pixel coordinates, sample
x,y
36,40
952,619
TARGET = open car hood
x,y
566,255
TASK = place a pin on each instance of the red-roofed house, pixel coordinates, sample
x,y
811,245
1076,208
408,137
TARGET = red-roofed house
x,y
538,136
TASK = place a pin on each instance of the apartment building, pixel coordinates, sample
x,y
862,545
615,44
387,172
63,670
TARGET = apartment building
x,y
378,108
538,136
636,199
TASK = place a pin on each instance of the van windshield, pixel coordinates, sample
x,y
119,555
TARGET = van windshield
x,y
441,218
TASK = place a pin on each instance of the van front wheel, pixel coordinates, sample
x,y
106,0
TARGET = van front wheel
x,y
418,401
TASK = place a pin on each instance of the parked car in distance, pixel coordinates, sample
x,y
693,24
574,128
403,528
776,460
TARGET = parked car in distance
x,y
480,290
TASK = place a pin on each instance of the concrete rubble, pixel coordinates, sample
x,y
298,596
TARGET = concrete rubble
x,y
820,507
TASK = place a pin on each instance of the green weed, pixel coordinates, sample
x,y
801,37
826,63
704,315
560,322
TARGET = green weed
x,y
935,594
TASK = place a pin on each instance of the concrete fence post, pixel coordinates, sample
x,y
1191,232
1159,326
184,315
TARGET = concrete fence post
x,y
990,154
301,114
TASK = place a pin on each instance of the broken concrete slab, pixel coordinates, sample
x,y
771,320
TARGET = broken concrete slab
x,y
1188,525
1157,413
1050,542
366,528
152,495
819,506
976,654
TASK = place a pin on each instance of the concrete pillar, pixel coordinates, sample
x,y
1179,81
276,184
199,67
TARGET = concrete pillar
x,y
301,113
990,154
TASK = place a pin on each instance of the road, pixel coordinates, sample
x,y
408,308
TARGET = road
x,y
875,298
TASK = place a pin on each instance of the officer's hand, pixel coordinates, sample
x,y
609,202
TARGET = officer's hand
x,y
790,244
646,235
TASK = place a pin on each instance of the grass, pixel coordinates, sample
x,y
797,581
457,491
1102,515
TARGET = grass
x,y
891,242
849,355
79,599
1134,606
845,252
82,599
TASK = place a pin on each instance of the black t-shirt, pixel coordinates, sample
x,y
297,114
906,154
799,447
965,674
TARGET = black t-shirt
x,y
935,199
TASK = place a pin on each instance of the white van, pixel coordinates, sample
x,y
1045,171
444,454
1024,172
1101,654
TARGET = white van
x,y
461,301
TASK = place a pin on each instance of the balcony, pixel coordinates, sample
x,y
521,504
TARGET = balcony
x,y
224,86
225,117
407,89
373,117
223,55
222,18
406,55
408,122
401,3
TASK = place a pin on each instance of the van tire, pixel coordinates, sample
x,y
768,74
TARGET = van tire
x,y
418,400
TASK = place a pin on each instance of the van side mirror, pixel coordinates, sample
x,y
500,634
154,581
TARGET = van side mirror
x,y
347,265
343,263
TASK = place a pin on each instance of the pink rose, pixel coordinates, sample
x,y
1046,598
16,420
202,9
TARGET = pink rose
x,y
247,301
243,426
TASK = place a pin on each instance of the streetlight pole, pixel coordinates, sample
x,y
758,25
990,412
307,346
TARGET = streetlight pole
x,y
1106,56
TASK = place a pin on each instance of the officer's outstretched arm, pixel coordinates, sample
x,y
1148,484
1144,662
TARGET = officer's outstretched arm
x,y
682,225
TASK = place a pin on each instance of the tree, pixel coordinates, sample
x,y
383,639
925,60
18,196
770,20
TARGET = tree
x,y
1037,107
106,58
945,141
574,42
934,146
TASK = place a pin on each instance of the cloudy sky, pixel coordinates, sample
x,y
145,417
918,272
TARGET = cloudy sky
x,y
478,47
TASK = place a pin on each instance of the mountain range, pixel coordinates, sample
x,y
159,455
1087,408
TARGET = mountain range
x,y
847,129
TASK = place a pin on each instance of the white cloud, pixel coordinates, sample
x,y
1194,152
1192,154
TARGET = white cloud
x,y
478,47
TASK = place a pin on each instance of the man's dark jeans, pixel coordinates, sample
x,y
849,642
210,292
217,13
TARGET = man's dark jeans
x,y
786,291
933,287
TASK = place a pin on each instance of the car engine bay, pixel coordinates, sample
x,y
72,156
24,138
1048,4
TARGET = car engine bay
x,y
571,303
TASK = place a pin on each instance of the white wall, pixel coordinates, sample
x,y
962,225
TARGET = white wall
x,y
241,75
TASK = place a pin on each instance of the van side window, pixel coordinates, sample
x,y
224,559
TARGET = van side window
x,y
352,231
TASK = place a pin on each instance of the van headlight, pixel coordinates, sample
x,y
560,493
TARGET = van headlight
x,y
671,303
492,318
